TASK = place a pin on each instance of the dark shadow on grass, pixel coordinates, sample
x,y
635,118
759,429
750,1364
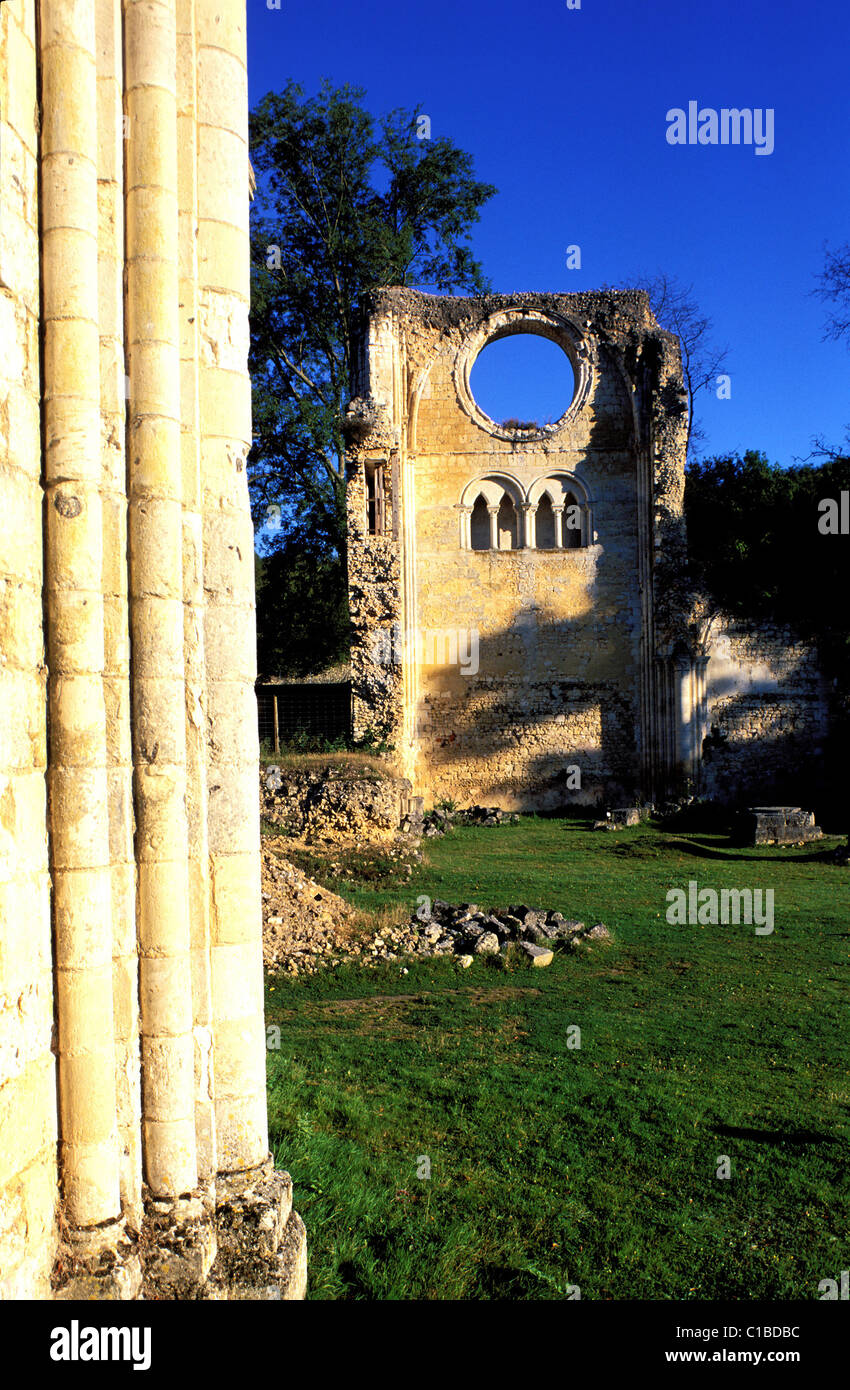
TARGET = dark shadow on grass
x,y
700,849
355,1285
775,1136
502,1282
575,816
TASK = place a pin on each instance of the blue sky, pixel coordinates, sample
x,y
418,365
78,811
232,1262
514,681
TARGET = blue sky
x,y
565,111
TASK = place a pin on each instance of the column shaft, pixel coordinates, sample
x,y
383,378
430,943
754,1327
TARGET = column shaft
x,y
193,591
74,580
228,551
156,598
116,684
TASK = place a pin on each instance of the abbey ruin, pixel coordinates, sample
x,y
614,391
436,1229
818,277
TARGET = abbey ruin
x,y
599,675
134,1155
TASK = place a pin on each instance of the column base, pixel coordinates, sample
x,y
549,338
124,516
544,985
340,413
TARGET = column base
x,y
100,1263
178,1245
262,1242
238,1239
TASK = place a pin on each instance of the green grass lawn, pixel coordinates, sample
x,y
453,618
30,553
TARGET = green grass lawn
x,y
553,1165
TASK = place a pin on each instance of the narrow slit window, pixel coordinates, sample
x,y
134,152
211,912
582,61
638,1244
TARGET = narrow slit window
x,y
374,499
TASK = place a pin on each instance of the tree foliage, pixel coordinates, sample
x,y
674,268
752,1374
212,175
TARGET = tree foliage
x,y
755,542
344,203
302,608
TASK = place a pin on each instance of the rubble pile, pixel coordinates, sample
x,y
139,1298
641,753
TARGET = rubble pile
x,y
304,925
306,928
441,820
438,929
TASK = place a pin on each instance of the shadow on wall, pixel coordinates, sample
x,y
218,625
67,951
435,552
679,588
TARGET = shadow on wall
x,y
787,762
527,738
772,737
543,743
551,718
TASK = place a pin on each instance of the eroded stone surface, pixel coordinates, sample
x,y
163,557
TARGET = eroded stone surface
x,y
777,825
132,1059
339,803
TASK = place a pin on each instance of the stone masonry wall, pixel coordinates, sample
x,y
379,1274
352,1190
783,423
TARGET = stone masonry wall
x,y
565,641
768,717
537,677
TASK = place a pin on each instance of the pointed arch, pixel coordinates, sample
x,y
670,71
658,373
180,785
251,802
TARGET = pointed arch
x,y
479,525
544,524
571,504
507,524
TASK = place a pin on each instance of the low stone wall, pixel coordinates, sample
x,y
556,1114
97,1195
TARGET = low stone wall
x,y
338,803
776,825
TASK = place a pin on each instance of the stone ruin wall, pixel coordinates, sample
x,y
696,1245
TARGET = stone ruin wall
x,y
336,803
565,637
133,1135
376,610
600,657
558,632
768,719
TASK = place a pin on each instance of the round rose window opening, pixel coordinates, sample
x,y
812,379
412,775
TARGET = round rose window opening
x,y
522,381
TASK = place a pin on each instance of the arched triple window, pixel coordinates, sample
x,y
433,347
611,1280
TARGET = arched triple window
x,y
491,514
496,513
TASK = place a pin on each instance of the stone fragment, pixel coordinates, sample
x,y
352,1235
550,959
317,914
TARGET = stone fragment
x,y
568,929
538,955
776,825
598,932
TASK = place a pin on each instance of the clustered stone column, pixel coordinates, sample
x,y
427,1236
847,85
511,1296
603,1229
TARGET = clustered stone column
x,y
163,1185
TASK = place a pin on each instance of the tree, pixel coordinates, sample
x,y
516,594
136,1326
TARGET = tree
x,y
678,312
745,517
344,203
302,608
834,287
762,543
